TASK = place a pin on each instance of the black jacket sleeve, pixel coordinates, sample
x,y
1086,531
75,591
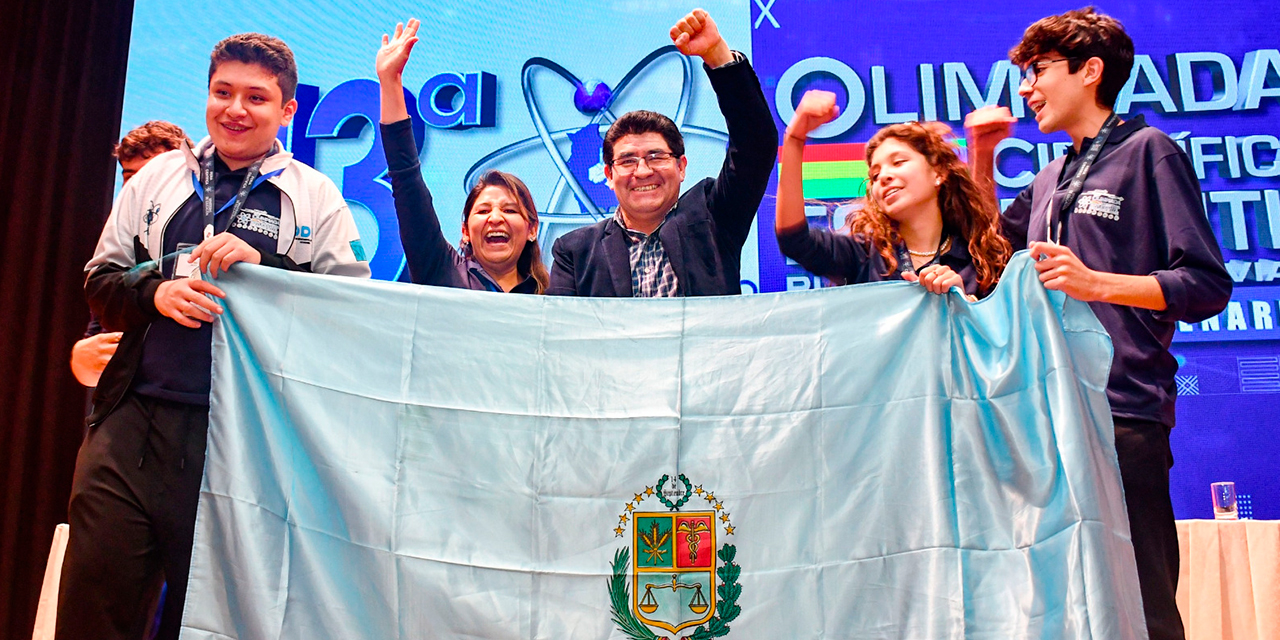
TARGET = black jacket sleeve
x,y
562,276
430,258
282,261
753,145
827,254
123,299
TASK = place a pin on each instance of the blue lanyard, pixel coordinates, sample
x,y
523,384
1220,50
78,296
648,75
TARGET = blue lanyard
x,y
206,185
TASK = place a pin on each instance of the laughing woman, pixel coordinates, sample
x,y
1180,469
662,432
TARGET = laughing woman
x,y
499,221
924,220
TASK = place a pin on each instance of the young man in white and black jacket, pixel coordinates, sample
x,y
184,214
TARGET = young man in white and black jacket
x,y
1136,246
137,480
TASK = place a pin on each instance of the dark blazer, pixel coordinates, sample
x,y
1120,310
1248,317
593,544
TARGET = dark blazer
x,y
703,236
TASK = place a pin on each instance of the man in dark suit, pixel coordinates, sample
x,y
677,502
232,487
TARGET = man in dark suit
x,y
659,243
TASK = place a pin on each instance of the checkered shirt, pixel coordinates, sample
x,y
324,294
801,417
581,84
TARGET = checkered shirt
x,y
651,272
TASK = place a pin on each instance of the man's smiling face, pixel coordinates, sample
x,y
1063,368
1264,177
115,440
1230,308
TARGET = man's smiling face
x,y
245,111
651,187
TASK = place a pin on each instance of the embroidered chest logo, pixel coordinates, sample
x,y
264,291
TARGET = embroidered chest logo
x,y
257,221
1099,203
153,212
671,576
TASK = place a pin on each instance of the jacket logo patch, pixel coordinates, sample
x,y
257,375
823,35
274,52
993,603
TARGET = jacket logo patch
x,y
1099,203
257,221
153,212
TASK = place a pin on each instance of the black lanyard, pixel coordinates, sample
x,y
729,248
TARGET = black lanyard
x,y
1077,183
905,265
207,184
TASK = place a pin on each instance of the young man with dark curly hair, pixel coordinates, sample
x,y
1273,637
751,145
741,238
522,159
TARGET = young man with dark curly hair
x,y
1117,222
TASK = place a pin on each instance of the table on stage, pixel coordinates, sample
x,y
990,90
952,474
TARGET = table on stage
x,y
1229,582
1228,586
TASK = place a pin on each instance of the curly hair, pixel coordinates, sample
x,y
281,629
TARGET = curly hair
x,y
1077,36
530,261
150,139
968,211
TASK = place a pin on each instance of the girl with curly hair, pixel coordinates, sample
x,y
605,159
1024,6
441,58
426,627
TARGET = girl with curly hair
x,y
924,220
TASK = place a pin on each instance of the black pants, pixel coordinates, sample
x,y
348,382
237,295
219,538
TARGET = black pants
x,y
1143,451
132,516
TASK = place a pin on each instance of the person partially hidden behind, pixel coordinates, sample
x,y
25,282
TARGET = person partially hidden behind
x,y
90,354
660,243
237,197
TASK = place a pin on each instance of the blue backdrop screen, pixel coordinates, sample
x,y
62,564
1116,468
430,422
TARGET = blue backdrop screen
x,y
512,87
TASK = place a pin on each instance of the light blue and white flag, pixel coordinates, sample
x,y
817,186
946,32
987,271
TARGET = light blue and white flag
x,y
392,461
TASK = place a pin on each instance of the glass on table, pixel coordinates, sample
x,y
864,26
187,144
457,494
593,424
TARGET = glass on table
x,y
1224,501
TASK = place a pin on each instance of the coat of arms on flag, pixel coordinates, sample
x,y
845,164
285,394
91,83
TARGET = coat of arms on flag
x,y
672,576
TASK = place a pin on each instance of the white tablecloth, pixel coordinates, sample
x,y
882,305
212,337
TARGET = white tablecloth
x,y
1229,582
47,610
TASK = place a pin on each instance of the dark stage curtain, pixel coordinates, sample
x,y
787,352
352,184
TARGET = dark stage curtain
x,y
62,71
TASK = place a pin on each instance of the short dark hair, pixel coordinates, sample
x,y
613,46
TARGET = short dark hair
x,y
639,122
265,51
1077,36
150,139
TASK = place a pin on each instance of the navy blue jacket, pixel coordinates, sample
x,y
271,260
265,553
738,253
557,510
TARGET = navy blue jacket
x,y
852,260
430,258
703,236
1140,213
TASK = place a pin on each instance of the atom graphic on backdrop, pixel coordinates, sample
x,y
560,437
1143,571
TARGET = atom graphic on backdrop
x,y
580,196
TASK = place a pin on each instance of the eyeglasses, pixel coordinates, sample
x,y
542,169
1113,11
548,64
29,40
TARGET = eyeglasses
x,y
654,160
1036,68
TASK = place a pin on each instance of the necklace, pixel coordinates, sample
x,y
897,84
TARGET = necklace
x,y
945,247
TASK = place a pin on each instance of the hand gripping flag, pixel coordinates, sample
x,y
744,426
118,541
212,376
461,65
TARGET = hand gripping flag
x,y
391,461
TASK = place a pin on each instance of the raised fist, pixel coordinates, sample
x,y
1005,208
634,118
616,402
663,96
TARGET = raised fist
x,y
696,35
985,127
816,108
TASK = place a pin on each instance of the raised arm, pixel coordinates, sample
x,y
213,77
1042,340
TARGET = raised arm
x,y
429,256
736,193
697,35
984,128
816,109
392,57
819,251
